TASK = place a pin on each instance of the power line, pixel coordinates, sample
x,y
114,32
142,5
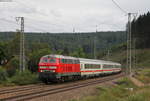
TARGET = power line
x,y
119,7
129,38
9,21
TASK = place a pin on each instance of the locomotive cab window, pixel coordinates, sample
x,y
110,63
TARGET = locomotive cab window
x,y
52,60
44,60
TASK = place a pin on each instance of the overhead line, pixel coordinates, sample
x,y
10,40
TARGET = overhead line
x,y
9,21
119,7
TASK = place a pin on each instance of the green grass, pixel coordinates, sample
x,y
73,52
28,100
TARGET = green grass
x,y
143,75
120,93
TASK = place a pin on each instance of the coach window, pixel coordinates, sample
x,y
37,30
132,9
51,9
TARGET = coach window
x,y
67,61
89,66
106,66
97,66
86,66
75,61
70,61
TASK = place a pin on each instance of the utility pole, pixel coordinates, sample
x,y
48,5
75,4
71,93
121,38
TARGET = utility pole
x,y
134,46
108,54
129,60
22,46
129,38
73,30
129,43
96,29
94,42
94,47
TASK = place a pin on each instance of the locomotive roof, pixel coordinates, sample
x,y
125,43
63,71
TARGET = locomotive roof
x,y
60,56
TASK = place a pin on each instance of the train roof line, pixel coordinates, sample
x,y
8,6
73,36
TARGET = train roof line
x,y
81,59
94,60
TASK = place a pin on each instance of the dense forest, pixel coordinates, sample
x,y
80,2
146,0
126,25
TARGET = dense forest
x,y
141,31
39,44
71,41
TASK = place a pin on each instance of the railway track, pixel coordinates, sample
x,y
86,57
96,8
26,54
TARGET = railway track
x,y
20,88
49,90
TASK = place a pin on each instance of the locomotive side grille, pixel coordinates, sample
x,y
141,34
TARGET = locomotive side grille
x,y
52,67
42,67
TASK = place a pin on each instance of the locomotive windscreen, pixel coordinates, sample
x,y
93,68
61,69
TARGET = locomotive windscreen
x,y
52,60
48,60
44,60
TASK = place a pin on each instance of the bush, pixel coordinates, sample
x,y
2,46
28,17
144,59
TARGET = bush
x,y
23,78
3,75
126,82
12,66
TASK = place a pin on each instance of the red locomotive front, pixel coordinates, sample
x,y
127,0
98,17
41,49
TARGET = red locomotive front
x,y
48,64
58,68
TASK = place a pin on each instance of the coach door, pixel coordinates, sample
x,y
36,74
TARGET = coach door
x,y
81,66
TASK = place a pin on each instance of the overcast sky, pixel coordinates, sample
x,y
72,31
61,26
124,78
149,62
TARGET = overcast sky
x,y
64,15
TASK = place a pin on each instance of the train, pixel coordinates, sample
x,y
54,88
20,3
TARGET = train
x,y
60,68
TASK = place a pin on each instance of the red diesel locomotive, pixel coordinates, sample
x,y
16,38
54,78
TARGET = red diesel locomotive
x,y
57,67
54,68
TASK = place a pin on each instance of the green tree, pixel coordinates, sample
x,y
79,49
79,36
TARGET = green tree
x,y
78,53
141,31
14,45
34,58
12,66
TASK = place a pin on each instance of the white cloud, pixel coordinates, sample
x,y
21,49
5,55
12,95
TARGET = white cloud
x,y
63,15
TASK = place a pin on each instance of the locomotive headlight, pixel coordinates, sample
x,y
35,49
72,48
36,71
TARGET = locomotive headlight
x,y
52,67
53,71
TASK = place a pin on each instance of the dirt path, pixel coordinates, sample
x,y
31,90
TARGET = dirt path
x,y
136,82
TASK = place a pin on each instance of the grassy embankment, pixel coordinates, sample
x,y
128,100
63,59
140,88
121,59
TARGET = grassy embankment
x,y
143,75
125,90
